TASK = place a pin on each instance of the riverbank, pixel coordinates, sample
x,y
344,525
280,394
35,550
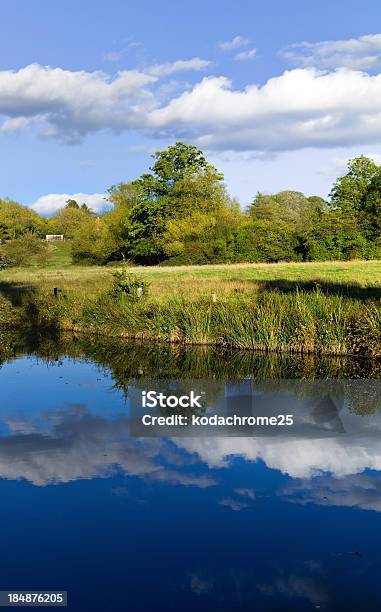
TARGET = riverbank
x,y
331,308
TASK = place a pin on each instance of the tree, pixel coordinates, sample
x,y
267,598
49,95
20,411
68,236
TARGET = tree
x,y
335,235
369,214
264,240
181,181
72,204
86,209
67,220
203,237
357,194
93,242
125,195
172,165
16,220
293,215
349,190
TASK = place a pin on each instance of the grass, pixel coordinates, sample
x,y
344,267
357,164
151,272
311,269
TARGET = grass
x,y
349,276
59,256
325,308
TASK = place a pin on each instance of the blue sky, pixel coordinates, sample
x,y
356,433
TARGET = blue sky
x,y
279,94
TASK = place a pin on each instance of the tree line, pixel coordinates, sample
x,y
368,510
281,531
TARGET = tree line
x,y
181,213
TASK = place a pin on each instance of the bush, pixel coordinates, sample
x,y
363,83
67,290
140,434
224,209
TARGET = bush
x,y
129,284
21,250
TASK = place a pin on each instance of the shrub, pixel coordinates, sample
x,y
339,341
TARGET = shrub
x,y
20,251
129,284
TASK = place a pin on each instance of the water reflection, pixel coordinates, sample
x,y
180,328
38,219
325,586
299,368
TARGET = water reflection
x,y
218,523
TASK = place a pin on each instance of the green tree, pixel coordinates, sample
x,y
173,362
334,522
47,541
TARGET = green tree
x,y
349,191
93,242
72,204
171,165
369,215
181,180
16,220
335,235
357,195
86,208
203,236
125,196
67,220
264,240
292,216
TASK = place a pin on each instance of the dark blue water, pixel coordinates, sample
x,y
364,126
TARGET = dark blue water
x,y
154,524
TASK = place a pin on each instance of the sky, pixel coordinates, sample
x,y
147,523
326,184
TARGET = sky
x,y
278,94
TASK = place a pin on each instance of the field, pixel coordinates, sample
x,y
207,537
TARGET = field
x,y
354,278
319,307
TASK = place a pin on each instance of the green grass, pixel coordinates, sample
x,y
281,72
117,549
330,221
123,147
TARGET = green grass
x,y
326,308
59,256
202,280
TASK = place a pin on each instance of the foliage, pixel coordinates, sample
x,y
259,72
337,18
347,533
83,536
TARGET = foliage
x,y
21,250
272,316
16,220
129,285
172,165
181,181
180,212
67,221
93,242
357,194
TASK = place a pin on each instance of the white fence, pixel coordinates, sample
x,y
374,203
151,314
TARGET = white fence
x,y
50,237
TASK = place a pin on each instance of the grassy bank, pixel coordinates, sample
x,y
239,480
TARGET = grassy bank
x,y
327,308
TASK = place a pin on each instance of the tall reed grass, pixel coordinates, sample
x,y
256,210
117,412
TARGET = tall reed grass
x,y
307,322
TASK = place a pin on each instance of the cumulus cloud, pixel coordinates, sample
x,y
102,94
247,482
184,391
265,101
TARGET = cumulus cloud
x,y
356,53
70,104
50,203
76,444
246,55
299,458
301,108
67,105
234,43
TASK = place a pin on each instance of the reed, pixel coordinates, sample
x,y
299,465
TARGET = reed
x,y
243,307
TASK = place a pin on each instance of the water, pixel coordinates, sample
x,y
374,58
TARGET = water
x,y
271,522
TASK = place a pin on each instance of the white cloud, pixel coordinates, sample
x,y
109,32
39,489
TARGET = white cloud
x,y
71,446
356,53
234,43
50,203
299,458
246,55
356,490
161,70
67,105
17,123
301,108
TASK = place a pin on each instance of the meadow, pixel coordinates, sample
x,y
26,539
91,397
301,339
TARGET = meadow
x,y
317,307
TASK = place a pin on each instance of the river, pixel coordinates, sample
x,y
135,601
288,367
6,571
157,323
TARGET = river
x,y
282,518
